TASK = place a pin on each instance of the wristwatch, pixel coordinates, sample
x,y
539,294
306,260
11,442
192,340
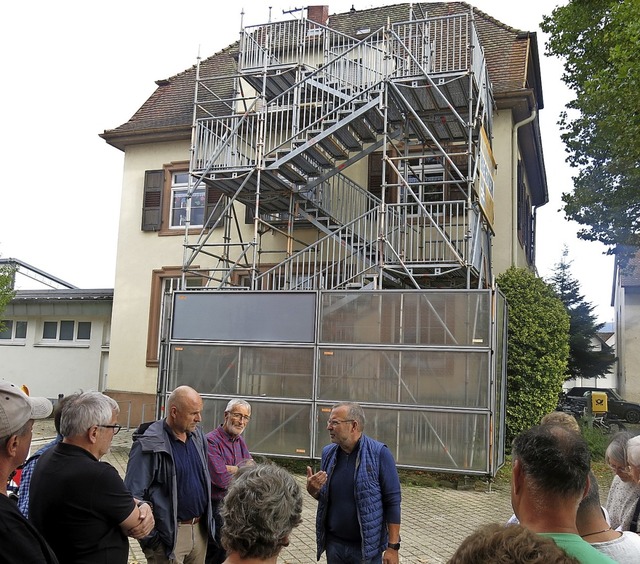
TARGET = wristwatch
x,y
394,545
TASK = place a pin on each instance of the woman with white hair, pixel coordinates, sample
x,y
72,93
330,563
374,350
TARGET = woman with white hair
x,y
633,457
631,469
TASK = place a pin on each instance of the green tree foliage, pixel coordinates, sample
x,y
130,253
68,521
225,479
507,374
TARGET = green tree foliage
x,y
584,360
7,272
538,348
599,43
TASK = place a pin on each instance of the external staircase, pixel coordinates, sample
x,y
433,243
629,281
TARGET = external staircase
x,y
310,106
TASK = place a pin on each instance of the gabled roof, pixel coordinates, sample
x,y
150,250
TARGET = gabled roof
x,y
512,62
630,272
508,52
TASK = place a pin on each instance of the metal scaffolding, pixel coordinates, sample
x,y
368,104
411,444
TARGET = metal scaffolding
x,y
363,163
287,134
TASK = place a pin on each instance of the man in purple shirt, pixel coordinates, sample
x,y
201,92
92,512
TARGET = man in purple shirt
x,y
227,452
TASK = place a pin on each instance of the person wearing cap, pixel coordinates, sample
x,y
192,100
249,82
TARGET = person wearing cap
x,y
79,504
19,539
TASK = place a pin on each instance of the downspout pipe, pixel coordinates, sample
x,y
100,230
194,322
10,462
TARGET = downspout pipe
x,y
514,185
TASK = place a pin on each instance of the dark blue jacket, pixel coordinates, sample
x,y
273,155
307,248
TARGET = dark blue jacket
x,y
368,495
151,476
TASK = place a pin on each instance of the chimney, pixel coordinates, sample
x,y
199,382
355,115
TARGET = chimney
x,y
318,14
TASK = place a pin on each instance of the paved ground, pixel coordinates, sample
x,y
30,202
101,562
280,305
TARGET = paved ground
x,y
434,520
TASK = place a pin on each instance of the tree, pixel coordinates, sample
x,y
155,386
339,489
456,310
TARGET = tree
x,y
537,347
584,360
7,273
599,41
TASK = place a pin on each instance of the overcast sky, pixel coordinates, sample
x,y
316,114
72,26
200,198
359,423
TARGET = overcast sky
x,y
73,68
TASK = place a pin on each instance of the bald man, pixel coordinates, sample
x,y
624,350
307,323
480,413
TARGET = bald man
x,y
168,467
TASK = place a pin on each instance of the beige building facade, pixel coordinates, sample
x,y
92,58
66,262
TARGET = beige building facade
x,y
157,236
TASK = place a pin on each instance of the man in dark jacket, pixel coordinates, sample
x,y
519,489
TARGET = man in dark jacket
x,y
358,493
168,467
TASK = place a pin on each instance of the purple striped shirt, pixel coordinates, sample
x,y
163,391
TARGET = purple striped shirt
x,y
224,450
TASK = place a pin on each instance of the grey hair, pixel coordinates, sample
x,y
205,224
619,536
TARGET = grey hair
x,y
354,411
261,508
617,449
633,451
84,411
233,402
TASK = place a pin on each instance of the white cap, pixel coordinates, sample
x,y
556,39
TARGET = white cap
x,y
16,408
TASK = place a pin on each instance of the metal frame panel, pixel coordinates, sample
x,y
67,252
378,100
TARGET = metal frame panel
x,y
426,365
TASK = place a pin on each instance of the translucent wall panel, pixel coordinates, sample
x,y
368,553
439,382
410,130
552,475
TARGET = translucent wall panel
x,y
451,318
427,366
280,372
425,439
415,377
244,316
277,429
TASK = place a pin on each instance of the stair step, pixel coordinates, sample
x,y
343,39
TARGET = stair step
x,y
333,147
349,138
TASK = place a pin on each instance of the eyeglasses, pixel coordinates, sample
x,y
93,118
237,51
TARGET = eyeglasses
x,y
334,422
236,415
624,469
116,428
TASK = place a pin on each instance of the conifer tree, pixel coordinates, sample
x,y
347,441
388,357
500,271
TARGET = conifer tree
x,y
585,361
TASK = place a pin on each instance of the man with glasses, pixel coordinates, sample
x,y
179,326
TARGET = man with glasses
x,y
79,504
227,452
358,493
168,467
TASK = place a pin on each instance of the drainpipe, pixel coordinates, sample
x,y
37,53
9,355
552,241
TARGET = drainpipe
x,y
514,185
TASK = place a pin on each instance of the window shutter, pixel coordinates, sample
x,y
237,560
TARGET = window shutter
x,y
249,213
152,200
375,174
215,197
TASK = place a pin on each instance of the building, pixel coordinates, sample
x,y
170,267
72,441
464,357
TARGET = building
x,y
330,198
603,340
626,304
55,338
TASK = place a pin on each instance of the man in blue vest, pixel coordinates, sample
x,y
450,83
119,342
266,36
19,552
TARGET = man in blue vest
x,y
358,493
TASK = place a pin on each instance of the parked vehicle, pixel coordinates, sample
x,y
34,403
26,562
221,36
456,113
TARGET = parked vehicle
x,y
606,422
575,400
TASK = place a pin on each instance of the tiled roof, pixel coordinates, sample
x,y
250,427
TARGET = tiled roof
x,y
630,273
169,110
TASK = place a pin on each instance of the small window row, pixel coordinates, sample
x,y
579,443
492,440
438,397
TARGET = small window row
x,y
65,330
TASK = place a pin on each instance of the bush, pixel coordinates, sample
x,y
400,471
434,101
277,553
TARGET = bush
x,y
537,348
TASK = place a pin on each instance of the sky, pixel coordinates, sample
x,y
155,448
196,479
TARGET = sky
x,y
73,69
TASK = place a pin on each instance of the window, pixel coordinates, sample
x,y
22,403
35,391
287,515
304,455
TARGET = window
x,y
425,175
181,204
11,330
526,218
66,331
166,203
164,281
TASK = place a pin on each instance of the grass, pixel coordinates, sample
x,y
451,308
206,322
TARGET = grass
x,y
596,439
